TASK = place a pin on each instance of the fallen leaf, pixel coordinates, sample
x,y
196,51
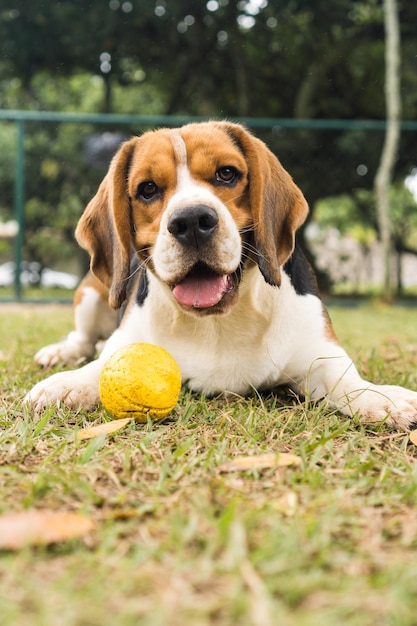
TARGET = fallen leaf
x,y
125,514
260,461
35,528
413,437
286,504
107,428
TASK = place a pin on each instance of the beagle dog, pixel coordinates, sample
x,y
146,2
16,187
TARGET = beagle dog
x,y
192,243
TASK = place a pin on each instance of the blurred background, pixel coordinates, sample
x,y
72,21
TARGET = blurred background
x,y
77,77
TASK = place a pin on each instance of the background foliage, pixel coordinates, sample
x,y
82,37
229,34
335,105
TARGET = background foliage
x,y
296,59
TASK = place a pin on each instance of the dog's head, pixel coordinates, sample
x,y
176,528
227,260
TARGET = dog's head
x,y
197,204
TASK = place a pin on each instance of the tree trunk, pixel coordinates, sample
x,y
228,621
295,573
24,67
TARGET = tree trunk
x,y
389,151
399,273
107,99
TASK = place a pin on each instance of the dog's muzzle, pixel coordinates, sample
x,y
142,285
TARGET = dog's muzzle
x,y
202,288
194,225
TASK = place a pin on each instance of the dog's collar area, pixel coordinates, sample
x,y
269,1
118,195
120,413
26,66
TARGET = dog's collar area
x,y
202,288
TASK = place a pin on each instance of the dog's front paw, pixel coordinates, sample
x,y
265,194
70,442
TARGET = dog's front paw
x,y
396,405
67,352
77,389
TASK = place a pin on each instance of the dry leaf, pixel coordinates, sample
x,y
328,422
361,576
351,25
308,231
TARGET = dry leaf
x,y
260,461
34,528
413,437
286,504
107,428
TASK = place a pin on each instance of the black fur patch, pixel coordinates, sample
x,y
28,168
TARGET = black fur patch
x,y
142,288
301,274
137,283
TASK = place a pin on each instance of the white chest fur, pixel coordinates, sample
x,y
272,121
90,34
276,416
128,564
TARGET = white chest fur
x,y
262,342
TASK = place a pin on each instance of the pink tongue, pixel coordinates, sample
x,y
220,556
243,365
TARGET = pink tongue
x,y
201,292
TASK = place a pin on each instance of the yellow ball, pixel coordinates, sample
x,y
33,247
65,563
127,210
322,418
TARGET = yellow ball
x,y
138,380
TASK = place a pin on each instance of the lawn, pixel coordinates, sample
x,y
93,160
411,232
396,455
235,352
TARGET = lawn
x,y
181,541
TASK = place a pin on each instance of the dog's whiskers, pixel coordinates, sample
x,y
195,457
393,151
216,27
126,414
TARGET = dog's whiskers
x,y
249,250
141,265
247,229
239,195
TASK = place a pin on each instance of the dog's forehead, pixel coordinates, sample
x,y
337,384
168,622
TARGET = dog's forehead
x,y
210,141
197,148
203,134
152,145
154,158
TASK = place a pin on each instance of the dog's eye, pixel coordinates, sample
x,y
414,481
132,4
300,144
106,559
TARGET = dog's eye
x,y
226,175
148,190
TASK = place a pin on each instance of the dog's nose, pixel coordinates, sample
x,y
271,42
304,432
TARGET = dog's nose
x,y
193,225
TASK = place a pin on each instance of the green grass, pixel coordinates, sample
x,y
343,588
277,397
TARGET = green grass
x,y
178,543
37,295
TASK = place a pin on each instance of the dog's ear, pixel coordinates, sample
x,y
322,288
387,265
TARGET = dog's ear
x,y
105,228
278,206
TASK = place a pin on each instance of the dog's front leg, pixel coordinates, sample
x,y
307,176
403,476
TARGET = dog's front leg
x,y
94,320
75,389
79,388
336,377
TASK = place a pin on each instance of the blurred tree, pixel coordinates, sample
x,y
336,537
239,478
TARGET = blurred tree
x,y
303,58
385,171
226,58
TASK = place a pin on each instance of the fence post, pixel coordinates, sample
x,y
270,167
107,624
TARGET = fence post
x,y
19,192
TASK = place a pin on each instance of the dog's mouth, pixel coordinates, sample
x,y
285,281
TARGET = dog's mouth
x,y
202,288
